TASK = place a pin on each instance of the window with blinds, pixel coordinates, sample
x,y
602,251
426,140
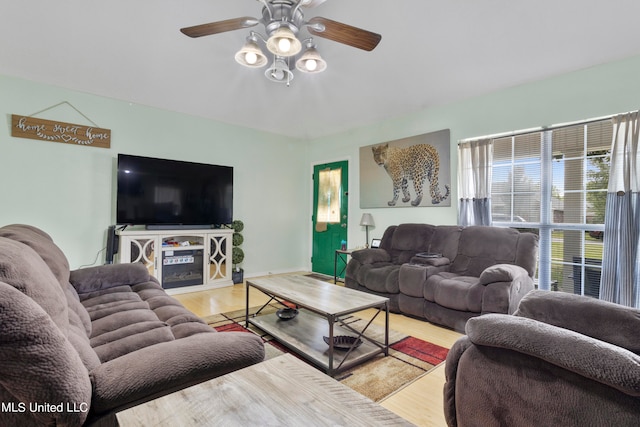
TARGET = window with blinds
x,y
554,183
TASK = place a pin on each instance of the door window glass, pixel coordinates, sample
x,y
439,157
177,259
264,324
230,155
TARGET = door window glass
x,y
329,196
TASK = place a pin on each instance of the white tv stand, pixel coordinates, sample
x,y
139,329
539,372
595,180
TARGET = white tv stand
x,y
182,260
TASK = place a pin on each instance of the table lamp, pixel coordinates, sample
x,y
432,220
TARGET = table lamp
x,y
367,221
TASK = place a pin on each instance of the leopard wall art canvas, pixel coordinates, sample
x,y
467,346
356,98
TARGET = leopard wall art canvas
x,y
408,172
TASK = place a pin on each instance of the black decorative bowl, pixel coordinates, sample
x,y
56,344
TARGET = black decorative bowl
x,y
287,313
343,342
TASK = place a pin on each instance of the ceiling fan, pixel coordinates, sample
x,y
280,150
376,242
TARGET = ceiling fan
x,y
283,22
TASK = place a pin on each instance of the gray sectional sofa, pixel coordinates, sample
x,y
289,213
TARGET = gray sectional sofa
x,y
469,271
560,360
87,343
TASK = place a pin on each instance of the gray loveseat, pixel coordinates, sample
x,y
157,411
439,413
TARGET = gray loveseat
x,y
78,346
561,360
471,271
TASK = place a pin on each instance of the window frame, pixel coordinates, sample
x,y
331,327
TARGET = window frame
x,y
546,226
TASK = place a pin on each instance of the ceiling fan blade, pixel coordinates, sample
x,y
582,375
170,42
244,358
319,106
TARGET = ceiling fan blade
x,y
343,33
219,27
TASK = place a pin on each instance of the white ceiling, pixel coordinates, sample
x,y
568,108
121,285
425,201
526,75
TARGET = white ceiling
x,y
432,53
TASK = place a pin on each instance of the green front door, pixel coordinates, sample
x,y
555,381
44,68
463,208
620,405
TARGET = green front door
x,y
330,205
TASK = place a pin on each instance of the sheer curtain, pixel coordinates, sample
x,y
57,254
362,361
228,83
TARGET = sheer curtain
x,y
621,265
474,182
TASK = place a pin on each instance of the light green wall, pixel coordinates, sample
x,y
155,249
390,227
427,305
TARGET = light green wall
x,y
68,190
599,91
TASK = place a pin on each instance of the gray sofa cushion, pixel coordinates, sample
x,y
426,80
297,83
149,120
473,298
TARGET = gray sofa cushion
x,y
509,367
497,386
409,239
383,279
449,290
87,280
445,241
166,367
412,237
129,317
39,365
76,310
43,245
481,247
80,329
123,322
413,277
22,268
584,355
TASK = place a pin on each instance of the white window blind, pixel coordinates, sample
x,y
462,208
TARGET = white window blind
x,y
554,182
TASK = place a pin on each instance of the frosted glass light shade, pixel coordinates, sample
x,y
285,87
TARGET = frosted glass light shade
x,y
311,62
251,55
279,72
284,43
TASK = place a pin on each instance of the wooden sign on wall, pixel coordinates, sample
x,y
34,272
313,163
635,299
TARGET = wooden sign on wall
x,y
67,133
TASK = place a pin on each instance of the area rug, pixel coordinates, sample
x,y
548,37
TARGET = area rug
x,y
409,357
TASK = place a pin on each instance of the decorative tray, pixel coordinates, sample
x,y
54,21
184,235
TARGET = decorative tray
x,y
287,313
343,342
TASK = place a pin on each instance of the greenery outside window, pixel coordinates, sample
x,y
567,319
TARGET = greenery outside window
x,y
554,182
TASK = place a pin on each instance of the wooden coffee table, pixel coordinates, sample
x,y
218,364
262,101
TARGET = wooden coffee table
x,y
322,307
283,391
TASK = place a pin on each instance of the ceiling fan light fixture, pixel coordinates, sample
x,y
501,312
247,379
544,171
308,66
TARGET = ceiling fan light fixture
x,y
283,42
279,72
283,22
251,55
311,61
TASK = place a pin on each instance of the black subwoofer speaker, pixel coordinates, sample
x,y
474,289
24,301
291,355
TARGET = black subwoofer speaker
x,y
112,244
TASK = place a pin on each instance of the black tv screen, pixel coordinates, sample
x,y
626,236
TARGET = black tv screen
x,y
158,192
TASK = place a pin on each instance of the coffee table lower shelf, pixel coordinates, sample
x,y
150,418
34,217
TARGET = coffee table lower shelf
x,y
304,335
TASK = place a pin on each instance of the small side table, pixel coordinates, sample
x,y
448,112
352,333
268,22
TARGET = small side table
x,y
341,255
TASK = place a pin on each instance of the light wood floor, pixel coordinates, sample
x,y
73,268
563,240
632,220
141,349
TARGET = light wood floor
x,y
420,402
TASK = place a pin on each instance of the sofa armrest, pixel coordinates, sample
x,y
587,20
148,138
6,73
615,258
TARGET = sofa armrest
x,y
163,368
602,320
502,273
594,359
504,287
451,373
371,255
92,279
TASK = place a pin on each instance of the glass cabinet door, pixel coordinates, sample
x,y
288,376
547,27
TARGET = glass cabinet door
x,y
143,250
219,257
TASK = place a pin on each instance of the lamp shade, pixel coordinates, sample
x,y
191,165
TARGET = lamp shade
x,y
279,72
367,220
283,42
251,55
311,62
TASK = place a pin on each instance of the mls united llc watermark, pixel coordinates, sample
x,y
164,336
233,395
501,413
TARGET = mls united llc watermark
x,y
20,407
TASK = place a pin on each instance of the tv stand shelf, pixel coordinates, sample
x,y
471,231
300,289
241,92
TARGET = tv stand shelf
x,y
182,260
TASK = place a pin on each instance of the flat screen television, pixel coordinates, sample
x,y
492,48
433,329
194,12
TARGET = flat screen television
x,y
171,193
